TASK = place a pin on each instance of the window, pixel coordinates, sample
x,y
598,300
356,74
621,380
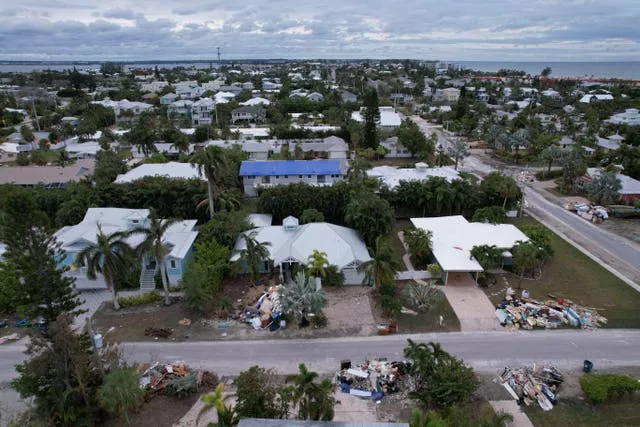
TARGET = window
x,y
173,263
321,179
309,176
299,176
266,179
135,221
277,176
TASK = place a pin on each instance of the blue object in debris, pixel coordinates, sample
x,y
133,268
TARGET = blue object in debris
x,y
588,366
345,388
376,395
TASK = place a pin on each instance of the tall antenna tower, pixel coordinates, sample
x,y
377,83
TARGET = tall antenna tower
x,y
219,65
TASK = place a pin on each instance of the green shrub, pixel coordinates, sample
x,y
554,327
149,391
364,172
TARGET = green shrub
x,y
602,387
145,298
182,387
544,175
333,276
423,296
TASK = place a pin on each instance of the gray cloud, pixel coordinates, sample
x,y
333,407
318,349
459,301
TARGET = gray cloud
x,y
424,29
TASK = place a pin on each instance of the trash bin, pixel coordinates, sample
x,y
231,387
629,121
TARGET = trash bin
x,y
588,366
97,341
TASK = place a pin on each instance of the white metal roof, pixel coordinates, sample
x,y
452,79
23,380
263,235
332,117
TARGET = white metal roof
x,y
179,236
629,185
173,170
454,237
391,176
342,245
256,101
388,117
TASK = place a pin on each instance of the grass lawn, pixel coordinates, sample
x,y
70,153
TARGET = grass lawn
x,y
429,321
572,275
575,413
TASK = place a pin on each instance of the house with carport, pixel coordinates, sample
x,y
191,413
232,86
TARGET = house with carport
x,y
291,244
453,238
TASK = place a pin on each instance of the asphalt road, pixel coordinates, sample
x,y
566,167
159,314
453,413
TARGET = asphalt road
x,y
486,352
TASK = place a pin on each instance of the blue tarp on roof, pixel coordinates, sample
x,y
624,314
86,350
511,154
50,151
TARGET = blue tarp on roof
x,y
290,167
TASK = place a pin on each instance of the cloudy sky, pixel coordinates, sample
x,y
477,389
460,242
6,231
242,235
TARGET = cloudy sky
x,y
478,30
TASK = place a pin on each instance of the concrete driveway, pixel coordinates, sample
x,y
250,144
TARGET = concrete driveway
x,y
472,306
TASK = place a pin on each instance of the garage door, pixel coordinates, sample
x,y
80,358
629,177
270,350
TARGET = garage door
x,y
352,277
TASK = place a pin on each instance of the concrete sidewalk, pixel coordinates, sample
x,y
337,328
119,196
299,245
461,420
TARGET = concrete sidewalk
x,y
520,419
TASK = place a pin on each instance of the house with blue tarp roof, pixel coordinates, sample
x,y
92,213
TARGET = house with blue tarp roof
x,y
258,175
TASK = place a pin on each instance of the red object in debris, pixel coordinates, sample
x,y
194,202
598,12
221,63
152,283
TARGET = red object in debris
x,y
561,301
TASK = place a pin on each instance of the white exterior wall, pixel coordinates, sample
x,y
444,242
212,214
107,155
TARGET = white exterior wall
x,y
337,154
251,191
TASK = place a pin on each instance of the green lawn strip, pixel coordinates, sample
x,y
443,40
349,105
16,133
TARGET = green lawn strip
x,y
429,321
398,248
571,274
576,413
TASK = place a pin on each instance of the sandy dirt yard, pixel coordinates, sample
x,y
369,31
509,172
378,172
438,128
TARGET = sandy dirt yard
x,y
348,313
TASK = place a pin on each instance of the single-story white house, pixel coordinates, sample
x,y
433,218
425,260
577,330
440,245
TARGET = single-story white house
x,y
453,237
179,239
392,175
292,243
172,170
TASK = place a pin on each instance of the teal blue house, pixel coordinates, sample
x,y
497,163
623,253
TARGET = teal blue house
x,y
179,240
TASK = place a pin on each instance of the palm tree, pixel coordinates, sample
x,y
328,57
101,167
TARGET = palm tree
x,y
508,189
458,150
381,268
551,154
526,255
605,188
108,256
315,400
63,158
227,416
210,162
317,264
254,254
154,246
301,297
229,200
519,138
121,392
426,419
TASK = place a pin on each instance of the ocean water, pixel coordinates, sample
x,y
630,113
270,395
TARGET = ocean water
x,y
621,70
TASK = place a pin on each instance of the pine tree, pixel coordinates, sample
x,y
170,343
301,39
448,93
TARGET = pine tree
x,y
51,293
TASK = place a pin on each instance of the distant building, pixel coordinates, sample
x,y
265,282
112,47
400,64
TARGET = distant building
x,y
181,108
248,113
348,96
168,98
630,117
449,95
388,117
48,176
203,111
119,107
394,148
264,174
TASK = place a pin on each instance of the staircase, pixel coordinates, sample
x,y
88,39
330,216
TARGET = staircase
x,y
147,279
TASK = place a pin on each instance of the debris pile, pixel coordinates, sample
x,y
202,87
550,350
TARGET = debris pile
x,y
528,313
595,214
372,379
533,385
266,312
157,376
10,337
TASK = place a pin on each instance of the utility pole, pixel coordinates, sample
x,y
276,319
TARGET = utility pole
x,y
219,65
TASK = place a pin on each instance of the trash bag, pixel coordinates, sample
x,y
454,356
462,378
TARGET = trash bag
x,y
587,366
